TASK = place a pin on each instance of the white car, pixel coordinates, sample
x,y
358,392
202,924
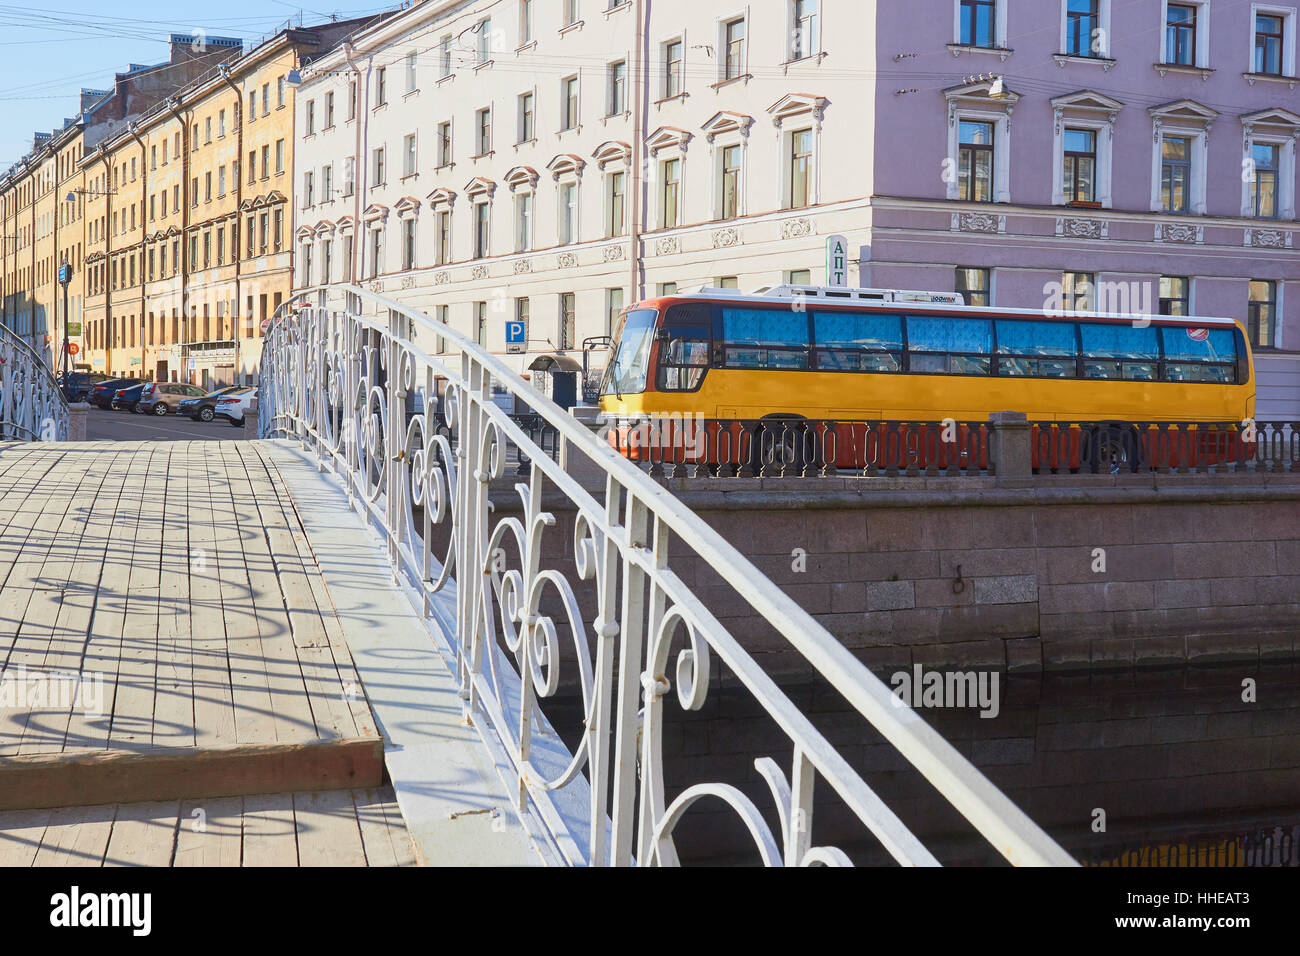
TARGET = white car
x,y
231,406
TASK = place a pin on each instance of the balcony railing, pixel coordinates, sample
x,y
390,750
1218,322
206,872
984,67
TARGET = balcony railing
x,y
417,439
32,408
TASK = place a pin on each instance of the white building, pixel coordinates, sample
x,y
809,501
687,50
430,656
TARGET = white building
x,y
485,160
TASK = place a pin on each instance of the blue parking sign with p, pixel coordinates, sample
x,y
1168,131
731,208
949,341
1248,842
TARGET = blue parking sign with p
x,y
516,335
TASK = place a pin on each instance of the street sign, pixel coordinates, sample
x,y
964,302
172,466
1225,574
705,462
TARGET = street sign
x,y
73,348
837,261
65,273
516,336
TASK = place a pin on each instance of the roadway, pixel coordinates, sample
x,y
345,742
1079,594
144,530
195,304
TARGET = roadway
x,y
108,425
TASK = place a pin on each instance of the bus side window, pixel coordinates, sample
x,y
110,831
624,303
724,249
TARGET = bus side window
x,y
684,348
949,346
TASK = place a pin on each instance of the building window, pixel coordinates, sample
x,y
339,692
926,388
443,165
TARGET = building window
x,y
306,263
1268,43
484,30
408,155
480,323
1080,165
669,192
279,91
307,197
615,196
733,46
569,103
1264,183
279,156
325,248
613,306
381,86
672,60
352,99
1082,26
525,22
617,88
975,161
568,328
526,131
444,57
1180,34
570,12
1175,295
349,176
805,38
410,72
481,222
329,110
729,200
800,164
327,183
1261,312
408,243
568,213
444,143
442,225
1076,291
1175,174
484,131
523,222
728,282
978,23
378,167
376,251
974,285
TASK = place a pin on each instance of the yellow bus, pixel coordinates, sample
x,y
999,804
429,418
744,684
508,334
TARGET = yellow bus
x,y
815,354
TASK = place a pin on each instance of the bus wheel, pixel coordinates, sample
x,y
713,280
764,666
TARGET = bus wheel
x,y
780,448
1114,449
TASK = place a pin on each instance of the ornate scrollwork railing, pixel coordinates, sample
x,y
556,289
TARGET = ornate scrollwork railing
x,y
418,438
32,407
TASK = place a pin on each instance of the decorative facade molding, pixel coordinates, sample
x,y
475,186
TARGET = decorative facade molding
x,y
978,222
1268,238
478,272
795,228
612,253
667,246
1179,232
567,260
724,122
1073,228
726,238
523,266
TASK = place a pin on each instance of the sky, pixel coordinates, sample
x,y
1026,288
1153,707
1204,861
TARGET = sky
x,y
48,53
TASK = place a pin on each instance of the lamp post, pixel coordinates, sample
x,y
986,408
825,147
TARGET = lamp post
x,y
65,277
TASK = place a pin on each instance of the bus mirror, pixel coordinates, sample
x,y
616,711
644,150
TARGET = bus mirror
x,y
662,335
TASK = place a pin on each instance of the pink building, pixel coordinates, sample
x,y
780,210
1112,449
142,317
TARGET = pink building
x,y
1136,156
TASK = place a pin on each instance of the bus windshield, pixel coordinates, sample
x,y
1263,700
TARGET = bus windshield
x,y
627,372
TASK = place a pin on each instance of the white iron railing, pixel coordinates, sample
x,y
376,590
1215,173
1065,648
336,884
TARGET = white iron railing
x,y
349,382
32,408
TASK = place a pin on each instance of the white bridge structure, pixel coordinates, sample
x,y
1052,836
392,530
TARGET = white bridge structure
x,y
416,439
32,408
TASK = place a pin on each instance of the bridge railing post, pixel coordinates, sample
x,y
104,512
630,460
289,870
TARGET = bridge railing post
x,y
1010,453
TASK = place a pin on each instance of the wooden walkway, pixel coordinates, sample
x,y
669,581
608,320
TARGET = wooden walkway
x,y
335,828
165,632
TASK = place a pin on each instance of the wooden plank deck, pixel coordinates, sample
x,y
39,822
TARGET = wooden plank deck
x,y
176,582
338,828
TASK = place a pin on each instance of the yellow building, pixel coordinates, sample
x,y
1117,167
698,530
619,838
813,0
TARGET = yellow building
x,y
46,206
189,248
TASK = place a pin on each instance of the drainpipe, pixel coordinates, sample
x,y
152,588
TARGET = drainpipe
x,y
358,167
173,107
638,66
109,193
235,319
134,130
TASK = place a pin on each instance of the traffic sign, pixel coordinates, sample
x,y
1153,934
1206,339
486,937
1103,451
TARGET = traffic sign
x,y
516,336
65,273
73,348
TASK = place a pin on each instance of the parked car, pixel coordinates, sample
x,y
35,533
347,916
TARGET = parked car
x,y
232,405
77,387
203,408
159,398
101,395
124,399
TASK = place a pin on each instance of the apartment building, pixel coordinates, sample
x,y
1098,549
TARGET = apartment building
x,y
553,162
492,161
188,249
43,200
